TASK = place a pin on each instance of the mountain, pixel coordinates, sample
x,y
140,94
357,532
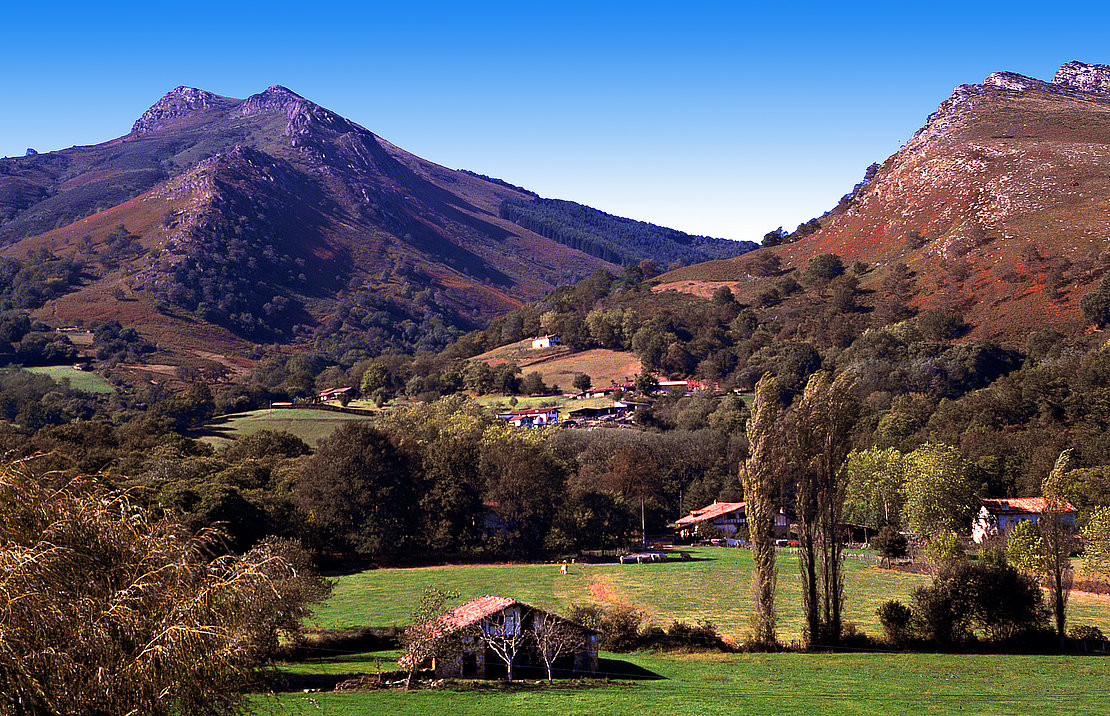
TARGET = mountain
x,y
999,206
216,223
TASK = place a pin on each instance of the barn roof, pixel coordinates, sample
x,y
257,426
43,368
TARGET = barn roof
x,y
710,512
1020,505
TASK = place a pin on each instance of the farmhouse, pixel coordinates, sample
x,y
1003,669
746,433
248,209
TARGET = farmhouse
x,y
333,394
728,517
999,515
725,516
531,418
548,341
504,618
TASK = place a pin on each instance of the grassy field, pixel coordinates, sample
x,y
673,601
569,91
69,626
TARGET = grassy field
x,y
557,366
881,684
79,379
714,585
307,424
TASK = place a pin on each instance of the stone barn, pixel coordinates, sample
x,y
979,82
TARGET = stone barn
x,y
486,624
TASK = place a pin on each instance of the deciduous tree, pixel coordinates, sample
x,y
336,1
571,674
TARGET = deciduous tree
x,y
759,476
107,610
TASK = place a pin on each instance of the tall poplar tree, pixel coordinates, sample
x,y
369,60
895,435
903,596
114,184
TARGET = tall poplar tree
x,y
1057,540
759,476
819,439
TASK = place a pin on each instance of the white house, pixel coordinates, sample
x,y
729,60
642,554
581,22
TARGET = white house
x,y
545,342
999,515
531,418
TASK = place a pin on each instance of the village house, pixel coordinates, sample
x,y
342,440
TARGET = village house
x,y
531,418
505,617
548,341
333,394
999,515
728,517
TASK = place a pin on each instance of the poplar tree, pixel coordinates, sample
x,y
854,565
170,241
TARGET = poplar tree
x,y
759,476
1057,540
819,439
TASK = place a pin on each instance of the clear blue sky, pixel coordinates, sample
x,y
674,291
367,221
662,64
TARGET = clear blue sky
x,y
719,118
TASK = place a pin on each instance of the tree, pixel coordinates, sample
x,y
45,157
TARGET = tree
x,y
376,377
941,490
1057,533
759,476
1096,304
819,440
108,610
1025,547
890,544
582,382
427,636
504,634
874,487
361,488
823,268
1096,544
554,637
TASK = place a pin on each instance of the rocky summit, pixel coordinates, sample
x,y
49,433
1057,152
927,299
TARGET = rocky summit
x,y
227,222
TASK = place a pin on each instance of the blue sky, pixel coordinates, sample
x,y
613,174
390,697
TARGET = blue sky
x,y
719,118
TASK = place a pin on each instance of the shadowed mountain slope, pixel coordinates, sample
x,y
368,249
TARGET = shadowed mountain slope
x,y
272,218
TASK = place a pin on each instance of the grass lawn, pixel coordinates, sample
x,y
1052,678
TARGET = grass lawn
x,y
307,424
714,586
883,684
79,379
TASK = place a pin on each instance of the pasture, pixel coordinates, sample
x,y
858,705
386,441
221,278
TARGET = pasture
x,y
307,424
86,381
715,585
653,684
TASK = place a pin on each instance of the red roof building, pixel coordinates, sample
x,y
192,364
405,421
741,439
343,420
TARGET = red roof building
x,y
999,514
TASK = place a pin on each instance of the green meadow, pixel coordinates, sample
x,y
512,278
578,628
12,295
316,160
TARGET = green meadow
x,y
307,424
79,379
875,683
713,585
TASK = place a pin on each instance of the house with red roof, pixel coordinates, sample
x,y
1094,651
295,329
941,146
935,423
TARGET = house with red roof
x,y
728,517
999,515
534,417
505,618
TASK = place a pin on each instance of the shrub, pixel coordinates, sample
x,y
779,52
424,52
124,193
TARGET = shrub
x,y
890,543
895,618
1087,633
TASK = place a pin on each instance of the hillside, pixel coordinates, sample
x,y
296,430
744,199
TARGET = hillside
x,y
217,223
998,206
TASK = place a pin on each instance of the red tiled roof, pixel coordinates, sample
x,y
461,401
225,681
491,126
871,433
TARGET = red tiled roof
x,y
1020,505
710,512
474,611
532,411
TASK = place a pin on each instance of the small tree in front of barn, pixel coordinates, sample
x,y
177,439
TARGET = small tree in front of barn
x,y
425,639
555,637
504,635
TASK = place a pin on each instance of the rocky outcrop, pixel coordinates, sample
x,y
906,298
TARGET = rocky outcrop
x,y
178,103
1084,77
302,113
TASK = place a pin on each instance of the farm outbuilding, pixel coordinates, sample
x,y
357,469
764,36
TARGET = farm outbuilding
x,y
505,618
999,515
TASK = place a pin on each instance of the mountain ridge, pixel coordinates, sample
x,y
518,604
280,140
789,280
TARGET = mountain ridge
x,y
226,197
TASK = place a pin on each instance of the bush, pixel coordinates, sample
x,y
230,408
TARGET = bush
x,y
890,543
895,618
1087,633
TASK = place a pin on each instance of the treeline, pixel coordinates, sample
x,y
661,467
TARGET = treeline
x,y
612,238
441,480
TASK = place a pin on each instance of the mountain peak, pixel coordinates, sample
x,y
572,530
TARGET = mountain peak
x,y
177,103
1081,76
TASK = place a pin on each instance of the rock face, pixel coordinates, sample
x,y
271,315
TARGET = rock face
x,y
178,103
1088,78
